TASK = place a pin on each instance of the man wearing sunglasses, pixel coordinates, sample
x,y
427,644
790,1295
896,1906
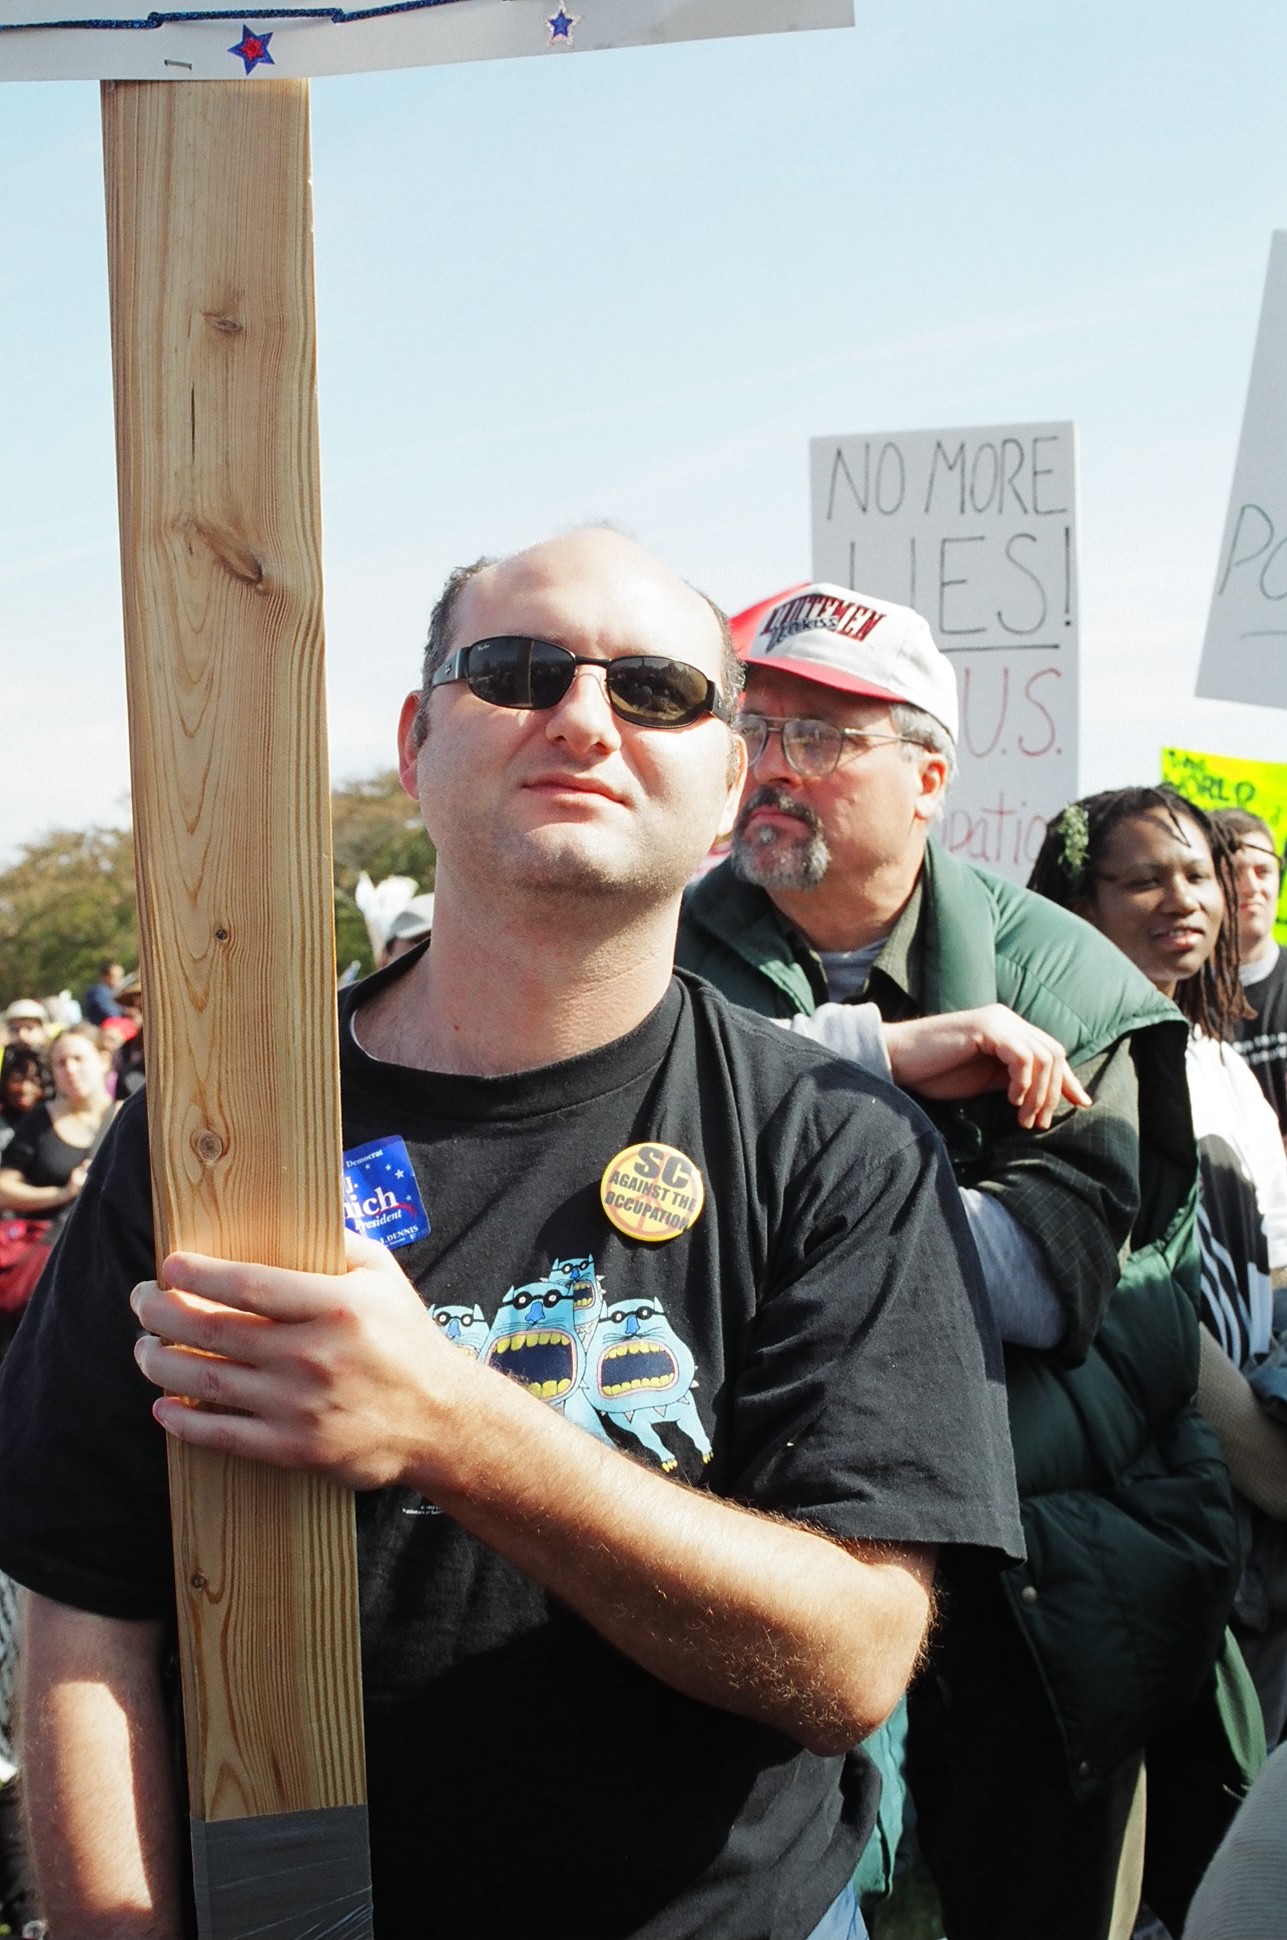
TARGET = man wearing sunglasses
x,y
624,1611
1026,1743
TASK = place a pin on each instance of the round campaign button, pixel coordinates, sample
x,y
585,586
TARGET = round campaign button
x,y
652,1192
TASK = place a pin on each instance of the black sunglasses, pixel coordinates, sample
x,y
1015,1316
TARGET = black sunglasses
x,y
644,689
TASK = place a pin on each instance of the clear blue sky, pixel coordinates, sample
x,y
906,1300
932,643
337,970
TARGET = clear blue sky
x,y
634,285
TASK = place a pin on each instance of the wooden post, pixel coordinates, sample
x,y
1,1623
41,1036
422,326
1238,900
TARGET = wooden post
x,y
210,261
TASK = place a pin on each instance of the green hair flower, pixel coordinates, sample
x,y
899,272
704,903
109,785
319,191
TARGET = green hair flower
x,y
1074,836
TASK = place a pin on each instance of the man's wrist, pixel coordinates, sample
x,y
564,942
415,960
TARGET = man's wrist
x,y
458,1428
484,1423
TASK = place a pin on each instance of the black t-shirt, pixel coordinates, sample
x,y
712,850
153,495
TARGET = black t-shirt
x,y
813,1345
36,1150
1262,1039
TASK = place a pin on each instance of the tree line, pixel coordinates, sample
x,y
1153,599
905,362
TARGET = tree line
x,y
68,901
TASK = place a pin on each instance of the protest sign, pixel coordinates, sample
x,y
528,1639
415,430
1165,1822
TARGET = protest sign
x,y
1244,655
977,530
1225,781
82,39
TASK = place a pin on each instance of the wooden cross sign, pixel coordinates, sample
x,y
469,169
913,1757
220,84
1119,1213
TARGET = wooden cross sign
x,y
211,284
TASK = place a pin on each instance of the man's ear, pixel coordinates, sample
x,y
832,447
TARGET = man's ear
x,y
737,771
934,772
409,742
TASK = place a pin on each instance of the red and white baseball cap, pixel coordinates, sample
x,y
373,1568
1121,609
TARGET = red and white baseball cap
x,y
852,641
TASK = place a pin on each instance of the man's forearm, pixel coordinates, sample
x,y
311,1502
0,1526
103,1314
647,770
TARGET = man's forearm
x,y
96,1773
762,1617
350,1377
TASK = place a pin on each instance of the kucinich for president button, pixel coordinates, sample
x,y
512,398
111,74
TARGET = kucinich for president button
x,y
381,1197
652,1192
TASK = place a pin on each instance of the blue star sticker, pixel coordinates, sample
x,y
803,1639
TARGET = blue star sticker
x,y
561,24
253,48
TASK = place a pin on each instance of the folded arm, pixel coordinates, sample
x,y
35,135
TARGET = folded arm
x,y
959,1054
962,1054
1074,1189
19,1197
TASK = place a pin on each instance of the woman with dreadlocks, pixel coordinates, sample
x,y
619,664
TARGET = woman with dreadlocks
x,y
1156,875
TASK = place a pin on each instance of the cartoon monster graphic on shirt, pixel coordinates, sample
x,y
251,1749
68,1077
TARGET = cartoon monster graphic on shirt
x,y
534,1340
586,1288
465,1327
567,1344
640,1373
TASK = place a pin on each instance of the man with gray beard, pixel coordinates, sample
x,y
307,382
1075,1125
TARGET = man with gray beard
x,y
850,723
1046,1688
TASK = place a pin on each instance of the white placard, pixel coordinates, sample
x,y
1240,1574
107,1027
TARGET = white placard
x,y
977,530
1244,656
141,43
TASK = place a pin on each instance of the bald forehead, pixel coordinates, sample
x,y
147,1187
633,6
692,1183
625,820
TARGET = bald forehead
x,y
588,586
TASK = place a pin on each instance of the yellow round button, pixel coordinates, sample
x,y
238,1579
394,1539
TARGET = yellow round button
x,y
652,1192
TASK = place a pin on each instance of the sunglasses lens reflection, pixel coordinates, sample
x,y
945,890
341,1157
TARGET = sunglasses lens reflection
x,y
500,671
655,692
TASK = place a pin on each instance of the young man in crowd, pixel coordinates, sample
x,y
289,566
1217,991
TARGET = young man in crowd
x,y
1046,1684
624,1613
99,1002
1262,1039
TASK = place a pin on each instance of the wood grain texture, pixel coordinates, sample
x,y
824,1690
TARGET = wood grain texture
x,y
210,261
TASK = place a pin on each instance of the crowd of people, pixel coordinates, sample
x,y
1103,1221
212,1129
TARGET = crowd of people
x,y
899,1457
63,1068
831,894
61,1075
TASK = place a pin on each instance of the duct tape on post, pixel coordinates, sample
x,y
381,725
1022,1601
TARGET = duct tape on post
x,y
284,1876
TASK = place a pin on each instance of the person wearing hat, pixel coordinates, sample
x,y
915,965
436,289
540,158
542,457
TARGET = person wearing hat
x,y
410,926
28,1024
1046,1685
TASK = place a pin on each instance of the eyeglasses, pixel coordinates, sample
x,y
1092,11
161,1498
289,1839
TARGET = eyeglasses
x,y
811,749
645,689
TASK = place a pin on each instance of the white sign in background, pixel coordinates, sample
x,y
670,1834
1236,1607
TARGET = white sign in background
x,y
1244,655
87,40
977,530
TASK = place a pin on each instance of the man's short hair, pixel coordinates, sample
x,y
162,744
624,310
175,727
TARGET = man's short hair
x,y
438,645
1239,823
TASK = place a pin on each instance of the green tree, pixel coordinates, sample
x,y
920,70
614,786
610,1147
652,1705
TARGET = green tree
x,y
68,900
65,905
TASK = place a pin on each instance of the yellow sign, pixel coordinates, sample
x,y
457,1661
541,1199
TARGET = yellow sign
x,y
1217,781
652,1192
